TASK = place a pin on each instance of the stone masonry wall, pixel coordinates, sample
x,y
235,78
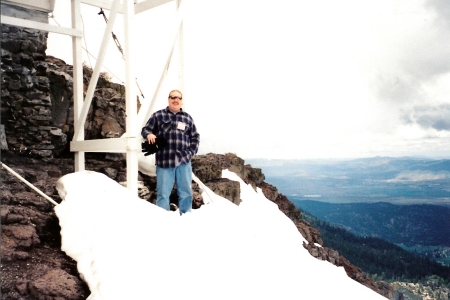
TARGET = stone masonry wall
x,y
37,98
25,96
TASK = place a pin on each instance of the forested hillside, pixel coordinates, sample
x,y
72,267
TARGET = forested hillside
x,y
377,256
410,225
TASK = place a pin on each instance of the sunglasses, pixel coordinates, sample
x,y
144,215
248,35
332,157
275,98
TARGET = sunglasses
x,y
175,97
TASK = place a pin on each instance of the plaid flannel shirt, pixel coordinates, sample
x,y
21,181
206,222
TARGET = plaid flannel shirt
x,y
181,143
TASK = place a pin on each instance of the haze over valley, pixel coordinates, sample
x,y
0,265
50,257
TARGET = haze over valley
x,y
403,180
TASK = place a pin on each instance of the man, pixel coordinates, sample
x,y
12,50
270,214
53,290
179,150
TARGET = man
x,y
173,162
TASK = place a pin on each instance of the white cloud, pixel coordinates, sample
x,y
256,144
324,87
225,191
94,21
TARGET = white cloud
x,y
419,176
301,79
436,117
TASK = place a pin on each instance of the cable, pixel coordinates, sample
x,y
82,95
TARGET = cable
x,y
51,15
104,66
85,42
112,33
116,41
118,46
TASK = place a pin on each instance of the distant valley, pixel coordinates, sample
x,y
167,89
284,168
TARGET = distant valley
x,y
423,228
403,180
405,201
427,225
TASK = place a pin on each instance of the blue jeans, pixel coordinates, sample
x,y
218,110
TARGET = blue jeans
x,y
165,178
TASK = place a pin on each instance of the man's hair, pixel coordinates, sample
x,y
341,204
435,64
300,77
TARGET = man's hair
x,y
176,91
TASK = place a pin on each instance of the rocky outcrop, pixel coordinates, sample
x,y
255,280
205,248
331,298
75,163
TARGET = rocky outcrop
x,y
208,168
30,248
226,188
358,275
56,284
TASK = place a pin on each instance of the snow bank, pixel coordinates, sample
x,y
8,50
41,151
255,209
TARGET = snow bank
x,y
127,248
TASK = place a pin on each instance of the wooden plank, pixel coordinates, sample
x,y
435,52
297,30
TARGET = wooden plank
x,y
42,5
181,53
78,87
29,184
130,96
105,4
138,7
130,78
147,107
41,26
115,145
148,4
52,5
96,72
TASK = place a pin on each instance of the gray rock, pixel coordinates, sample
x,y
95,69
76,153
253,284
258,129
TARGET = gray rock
x,y
226,188
3,142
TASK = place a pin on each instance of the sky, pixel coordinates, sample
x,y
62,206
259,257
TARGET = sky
x,y
128,248
295,79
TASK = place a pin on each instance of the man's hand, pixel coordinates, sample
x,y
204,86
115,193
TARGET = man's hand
x,y
150,148
151,138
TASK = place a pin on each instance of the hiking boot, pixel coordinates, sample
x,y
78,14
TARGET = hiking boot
x,y
173,207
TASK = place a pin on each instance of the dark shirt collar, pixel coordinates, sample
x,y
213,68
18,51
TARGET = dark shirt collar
x,y
169,111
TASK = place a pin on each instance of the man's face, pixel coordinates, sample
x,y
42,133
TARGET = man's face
x,y
175,101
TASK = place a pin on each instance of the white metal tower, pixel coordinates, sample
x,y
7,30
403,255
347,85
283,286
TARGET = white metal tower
x,y
129,143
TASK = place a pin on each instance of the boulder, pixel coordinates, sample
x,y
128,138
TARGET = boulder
x,y
226,188
56,285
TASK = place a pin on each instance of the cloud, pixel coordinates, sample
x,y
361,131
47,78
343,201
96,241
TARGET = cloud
x,y
441,8
418,176
408,53
299,80
427,117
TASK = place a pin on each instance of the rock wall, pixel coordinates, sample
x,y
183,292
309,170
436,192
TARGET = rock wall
x,y
25,101
37,98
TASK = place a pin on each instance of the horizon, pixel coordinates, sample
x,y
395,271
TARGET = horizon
x,y
353,158
401,180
